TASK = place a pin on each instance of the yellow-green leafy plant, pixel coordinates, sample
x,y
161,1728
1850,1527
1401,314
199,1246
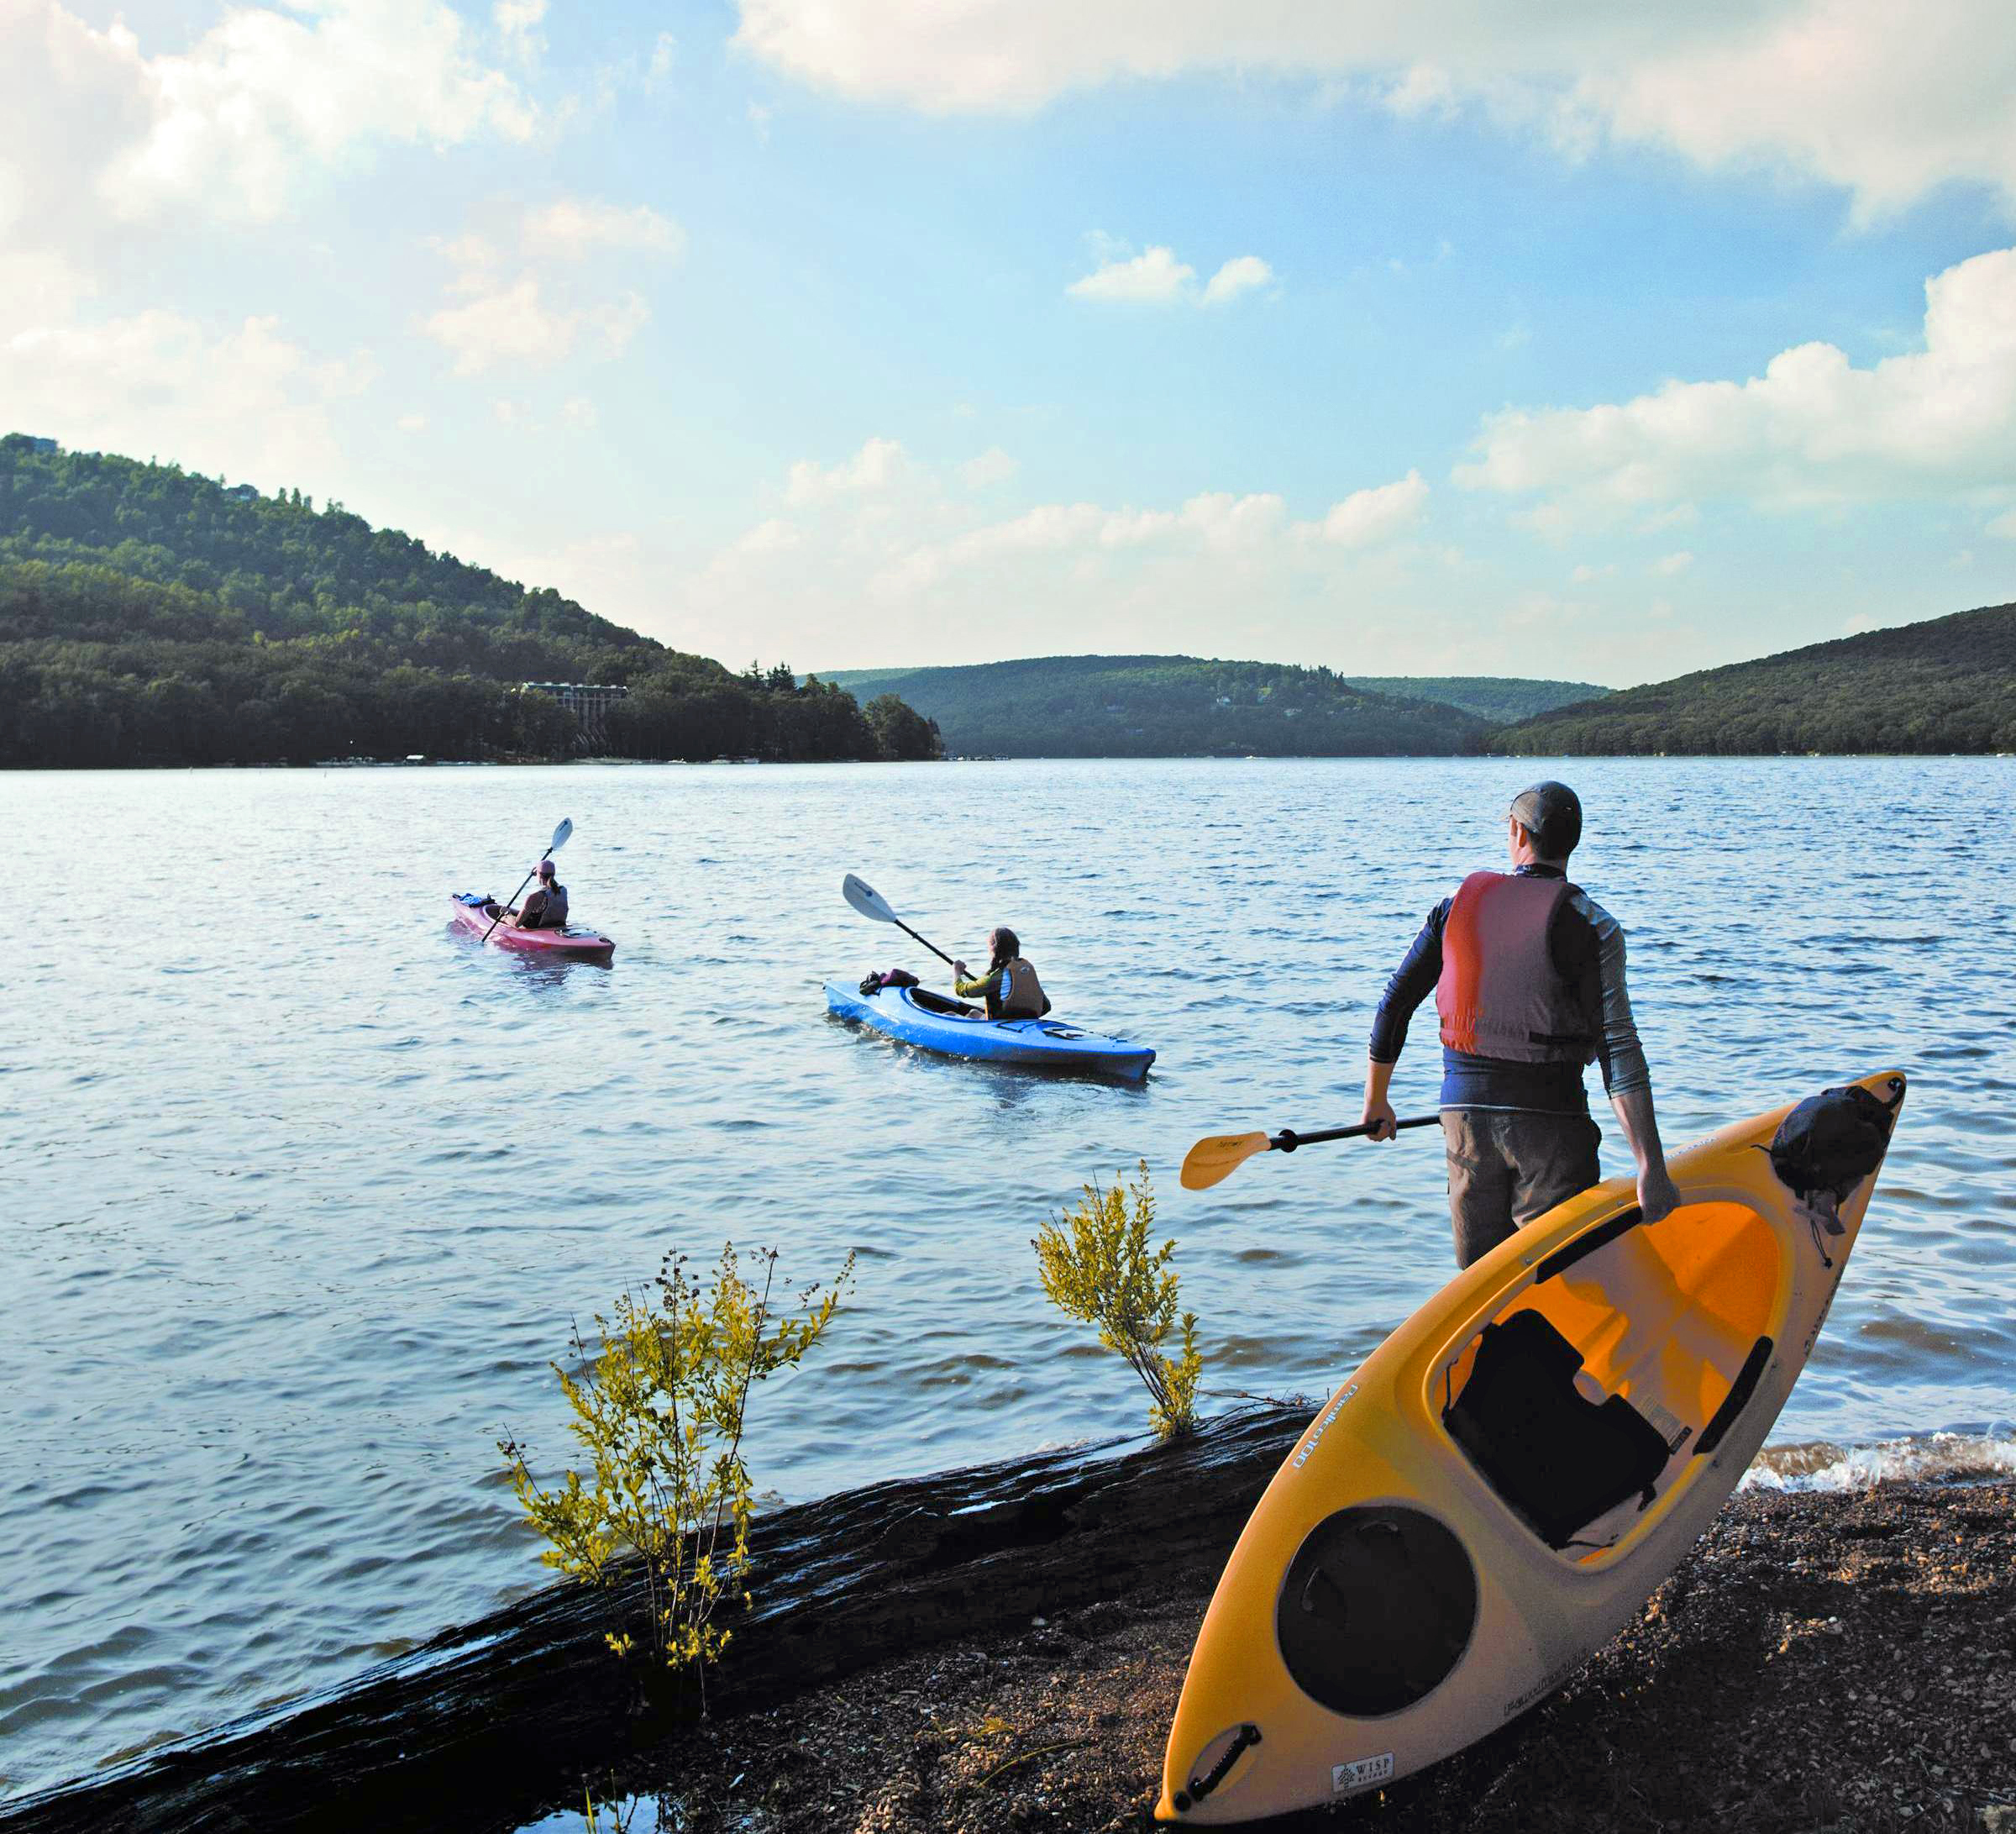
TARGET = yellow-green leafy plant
x,y
660,1405
1096,1265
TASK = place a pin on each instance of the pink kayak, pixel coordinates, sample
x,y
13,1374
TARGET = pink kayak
x,y
474,912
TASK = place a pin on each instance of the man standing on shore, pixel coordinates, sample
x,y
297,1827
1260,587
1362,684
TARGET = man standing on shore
x,y
1528,977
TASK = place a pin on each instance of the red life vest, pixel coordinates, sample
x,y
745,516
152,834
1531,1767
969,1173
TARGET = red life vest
x,y
1500,994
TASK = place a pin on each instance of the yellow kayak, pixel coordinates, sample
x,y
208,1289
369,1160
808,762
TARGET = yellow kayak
x,y
1500,1486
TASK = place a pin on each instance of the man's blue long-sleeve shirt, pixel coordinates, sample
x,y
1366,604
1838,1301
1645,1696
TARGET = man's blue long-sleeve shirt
x,y
1586,946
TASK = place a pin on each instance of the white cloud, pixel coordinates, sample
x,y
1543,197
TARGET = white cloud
x,y
1813,429
2004,525
578,412
992,466
106,148
1155,274
1885,100
1377,514
231,125
412,423
664,54
768,537
871,470
519,21
919,543
247,401
1670,565
759,119
1240,275
1586,575
512,323
534,318
571,229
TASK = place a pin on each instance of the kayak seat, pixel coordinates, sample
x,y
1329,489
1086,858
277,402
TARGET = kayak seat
x,y
1558,1460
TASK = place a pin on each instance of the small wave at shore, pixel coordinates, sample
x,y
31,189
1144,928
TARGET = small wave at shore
x,y
1923,1458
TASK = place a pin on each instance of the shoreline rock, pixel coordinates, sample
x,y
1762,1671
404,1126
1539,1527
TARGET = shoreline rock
x,y
1000,1649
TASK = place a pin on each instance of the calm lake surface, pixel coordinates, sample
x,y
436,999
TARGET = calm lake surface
x,y
302,1190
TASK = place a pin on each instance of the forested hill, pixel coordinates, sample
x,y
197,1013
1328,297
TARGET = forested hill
x,y
148,614
1149,707
1497,698
1945,686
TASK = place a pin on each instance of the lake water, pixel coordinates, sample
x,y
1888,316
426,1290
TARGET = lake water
x,y
303,1190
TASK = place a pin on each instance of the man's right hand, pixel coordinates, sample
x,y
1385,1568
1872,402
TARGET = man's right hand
x,y
1380,1118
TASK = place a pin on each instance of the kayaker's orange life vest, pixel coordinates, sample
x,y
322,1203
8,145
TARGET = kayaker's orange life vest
x,y
1500,994
1021,992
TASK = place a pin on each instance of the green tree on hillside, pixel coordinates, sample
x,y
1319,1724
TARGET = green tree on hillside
x,y
151,615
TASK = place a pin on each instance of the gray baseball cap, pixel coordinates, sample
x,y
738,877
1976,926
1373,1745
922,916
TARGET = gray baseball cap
x,y
1551,814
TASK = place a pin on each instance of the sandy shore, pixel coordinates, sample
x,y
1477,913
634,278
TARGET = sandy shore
x,y
1821,1661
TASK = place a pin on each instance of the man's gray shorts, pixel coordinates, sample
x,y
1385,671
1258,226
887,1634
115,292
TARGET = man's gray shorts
x,y
1506,1167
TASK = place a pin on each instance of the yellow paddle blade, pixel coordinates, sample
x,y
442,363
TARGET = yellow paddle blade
x,y
1219,1157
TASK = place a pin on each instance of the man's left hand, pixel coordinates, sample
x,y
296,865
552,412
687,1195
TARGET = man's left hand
x,y
1658,1196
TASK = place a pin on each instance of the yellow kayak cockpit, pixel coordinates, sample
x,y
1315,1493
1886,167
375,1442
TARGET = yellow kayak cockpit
x,y
1584,1398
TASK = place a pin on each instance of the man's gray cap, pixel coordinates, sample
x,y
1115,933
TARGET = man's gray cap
x,y
1551,814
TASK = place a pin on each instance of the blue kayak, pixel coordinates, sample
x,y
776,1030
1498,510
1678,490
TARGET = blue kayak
x,y
932,1023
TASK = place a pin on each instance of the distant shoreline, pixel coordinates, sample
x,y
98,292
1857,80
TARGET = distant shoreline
x,y
1068,758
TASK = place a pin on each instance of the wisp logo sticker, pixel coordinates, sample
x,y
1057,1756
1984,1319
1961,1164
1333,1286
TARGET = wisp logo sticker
x,y
1361,1774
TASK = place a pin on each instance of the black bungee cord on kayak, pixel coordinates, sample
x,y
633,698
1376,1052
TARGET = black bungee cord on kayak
x,y
1201,1787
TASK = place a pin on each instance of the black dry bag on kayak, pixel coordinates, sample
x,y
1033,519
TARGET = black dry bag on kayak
x,y
887,977
1831,1141
1826,1147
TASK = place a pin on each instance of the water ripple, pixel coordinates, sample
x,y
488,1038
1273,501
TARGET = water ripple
x,y
302,1210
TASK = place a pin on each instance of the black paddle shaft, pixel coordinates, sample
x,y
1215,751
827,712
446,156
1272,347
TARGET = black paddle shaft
x,y
1287,1140
913,935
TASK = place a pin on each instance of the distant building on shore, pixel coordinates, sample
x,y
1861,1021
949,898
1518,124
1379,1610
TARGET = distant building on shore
x,y
590,705
244,493
39,444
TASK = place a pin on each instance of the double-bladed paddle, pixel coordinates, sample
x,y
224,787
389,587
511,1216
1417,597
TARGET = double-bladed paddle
x,y
1222,1154
553,847
870,903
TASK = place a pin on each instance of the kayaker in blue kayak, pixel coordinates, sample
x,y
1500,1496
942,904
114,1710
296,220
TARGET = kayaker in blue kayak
x,y
1010,986
545,905
1527,972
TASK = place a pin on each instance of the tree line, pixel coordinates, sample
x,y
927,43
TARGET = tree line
x,y
1150,706
1947,685
150,616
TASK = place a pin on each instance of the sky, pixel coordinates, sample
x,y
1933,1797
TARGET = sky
x,y
1560,339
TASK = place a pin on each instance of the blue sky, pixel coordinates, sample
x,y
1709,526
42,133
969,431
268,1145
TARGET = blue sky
x,y
856,332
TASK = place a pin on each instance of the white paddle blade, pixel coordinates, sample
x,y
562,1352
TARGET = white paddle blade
x,y
561,835
865,899
1213,1160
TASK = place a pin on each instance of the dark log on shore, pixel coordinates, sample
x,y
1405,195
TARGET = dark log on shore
x,y
488,1725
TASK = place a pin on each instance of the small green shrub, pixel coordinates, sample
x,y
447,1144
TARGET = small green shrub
x,y
659,1410
1096,1265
